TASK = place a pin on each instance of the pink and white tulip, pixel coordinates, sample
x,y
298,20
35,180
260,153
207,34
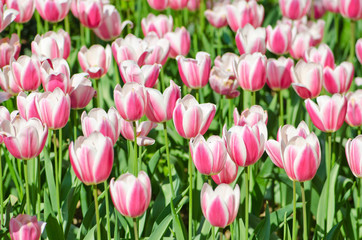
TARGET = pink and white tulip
x,y
159,49
217,15
27,105
250,116
279,38
9,48
294,9
250,40
131,195
142,130
26,71
223,82
7,82
25,227
177,4
158,4
51,10
359,50
323,55
300,43
318,9
351,9
146,75
228,174
55,74
354,155
160,24
354,108
7,16
95,61
81,92
338,80
90,12
193,5
226,62
4,115
180,42
25,9
278,73
331,5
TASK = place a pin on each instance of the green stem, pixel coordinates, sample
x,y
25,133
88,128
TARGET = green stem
x,y
75,123
247,175
19,27
190,196
107,211
162,80
135,228
285,227
353,41
168,162
281,109
39,189
1,190
359,193
231,105
336,26
294,212
116,72
305,228
56,174
139,11
46,26
253,98
97,102
359,131
27,187
221,233
219,40
60,140
39,25
135,163
328,172
95,195
201,15
66,24
213,232
82,35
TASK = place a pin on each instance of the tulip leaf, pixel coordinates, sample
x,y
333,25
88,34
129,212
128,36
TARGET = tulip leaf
x,y
334,233
53,229
50,178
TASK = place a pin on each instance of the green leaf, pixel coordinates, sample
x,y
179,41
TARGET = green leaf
x,y
53,229
334,232
262,231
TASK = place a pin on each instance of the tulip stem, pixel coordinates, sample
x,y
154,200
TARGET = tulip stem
x,y
305,230
135,163
39,188
19,27
97,102
336,26
359,193
1,190
56,170
231,111
281,109
247,176
253,98
75,121
66,24
168,163
353,41
82,37
328,172
39,26
60,139
135,228
222,233
190,196
27,187
213,232
294,212
107,211
95,194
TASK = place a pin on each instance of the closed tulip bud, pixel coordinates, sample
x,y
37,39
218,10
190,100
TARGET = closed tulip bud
x,y
26,71
250,40
278,73
195,72
351,9
191,118
111,25
228,174
359,50
25,9
180,42
158,4
131,101
329,112
294,9
160,106
159,49
142,130
9,48
338,80
146,75
177,4
331,5
92,158
250,71
81,92
354,108
95,61
55,74
250,116
221,206
354,155
217,15
208,156
323,55
53,11
7,82
307,79
24,139
25,227
223,82
131,195
54,108
279,39
160,24
27,105
300,43
7,16
90,12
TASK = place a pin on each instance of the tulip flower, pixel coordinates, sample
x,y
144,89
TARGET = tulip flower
x,y
26,71
53,11
55,74
217,15
142,130
7,82
331,5
4,115
161,106
294,9
226,62
159,49
160,24
359,50
318,9
239,13
208,156
131,101
90,12
25,9
228,174
300,43
250,40
54,108
354,155
9,48
338,80
316,30
96,60
307,79
195,73
250,71
278,73
180,42
7,16
221,206
131,195
24,139
177,4
329,112
351,9
223,82
146,75
25,227
191,118
323,55
358,81
193,5
279,39
250,116
74,8
27,105
354,108
92,158
81,92
158,4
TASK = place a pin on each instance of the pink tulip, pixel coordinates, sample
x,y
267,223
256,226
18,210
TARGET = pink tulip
x,y
26,71
228,174
81,92
307,79
245,144
354,155
159,49
74,8
51,45
7,16
354,108
146,75
25,227
278,73
90,12
131,101
338,80
4,115
250,116
92,158
142,130
55,74
208,156
160,24
294,9
217,15
195,72
95,61
221,206
358,81
250,40
25,9
279,39
331,5
9,48
250,71
111,25
24,139
191,118
239,13
27,105
300,43
323,55
53,10
318,8
54,108
180,42
359,50
226,62
328,115
351,9
7,82
223,82
177,4
316,30
158,4
193,5
160,106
